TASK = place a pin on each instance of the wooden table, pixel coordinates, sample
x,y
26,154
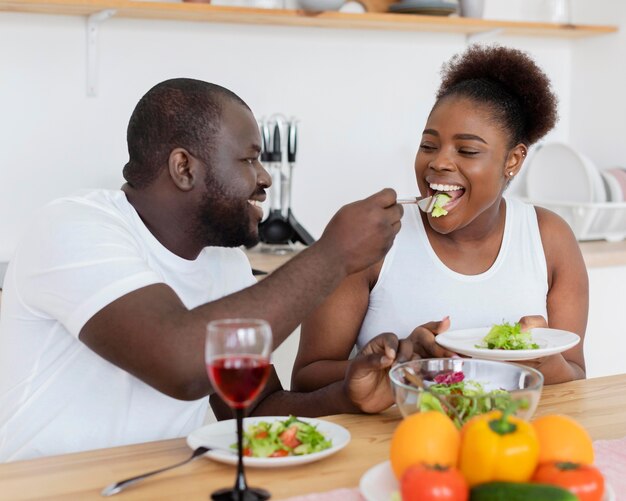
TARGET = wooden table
x,y
598,404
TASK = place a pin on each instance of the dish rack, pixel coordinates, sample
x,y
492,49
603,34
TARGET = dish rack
x,y
591,221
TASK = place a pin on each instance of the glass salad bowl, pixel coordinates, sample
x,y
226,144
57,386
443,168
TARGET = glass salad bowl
x,y
465,387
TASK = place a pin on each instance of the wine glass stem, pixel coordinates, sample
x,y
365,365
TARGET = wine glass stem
x,y
240,481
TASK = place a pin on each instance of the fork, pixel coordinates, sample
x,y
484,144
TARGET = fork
x,y
117,487
426,204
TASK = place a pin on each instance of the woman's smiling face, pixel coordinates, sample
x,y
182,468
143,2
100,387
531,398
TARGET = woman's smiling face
x,y
465,152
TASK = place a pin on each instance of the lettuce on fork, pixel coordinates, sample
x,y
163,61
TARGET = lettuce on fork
x,y
441,199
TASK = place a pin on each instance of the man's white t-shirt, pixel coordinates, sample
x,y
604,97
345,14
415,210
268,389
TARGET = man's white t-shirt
x,y
82,253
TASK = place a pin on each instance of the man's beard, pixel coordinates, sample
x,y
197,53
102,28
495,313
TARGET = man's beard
x,y
222,222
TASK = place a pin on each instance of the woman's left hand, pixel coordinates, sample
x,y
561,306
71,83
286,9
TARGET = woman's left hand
x,y
531,321
537,321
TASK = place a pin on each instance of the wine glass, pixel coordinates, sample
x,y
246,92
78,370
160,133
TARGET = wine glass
x,y
237,355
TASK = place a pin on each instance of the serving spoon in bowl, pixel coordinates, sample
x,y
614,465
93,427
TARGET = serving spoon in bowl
x,y
416,380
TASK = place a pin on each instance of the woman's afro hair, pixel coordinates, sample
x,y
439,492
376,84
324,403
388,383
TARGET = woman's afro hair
x,y
510,82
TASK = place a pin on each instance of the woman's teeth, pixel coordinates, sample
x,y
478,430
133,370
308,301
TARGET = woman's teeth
x,y
256,203
445,187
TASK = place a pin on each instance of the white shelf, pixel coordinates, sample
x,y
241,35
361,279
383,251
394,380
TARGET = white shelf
x,y
204,12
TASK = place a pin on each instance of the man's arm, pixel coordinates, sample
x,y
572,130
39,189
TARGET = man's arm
x,y
151,334
364,388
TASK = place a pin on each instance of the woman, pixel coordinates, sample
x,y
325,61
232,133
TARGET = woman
x,y
490,259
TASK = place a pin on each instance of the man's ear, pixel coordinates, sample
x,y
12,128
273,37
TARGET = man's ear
x,y
182,168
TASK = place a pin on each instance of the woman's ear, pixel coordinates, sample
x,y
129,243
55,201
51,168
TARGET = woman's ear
x,y
182,169
515,160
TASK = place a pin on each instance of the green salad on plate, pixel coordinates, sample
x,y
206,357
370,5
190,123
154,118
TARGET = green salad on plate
x,y
289,437
508,337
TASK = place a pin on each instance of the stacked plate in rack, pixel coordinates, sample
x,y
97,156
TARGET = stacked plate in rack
x,y
559,173
593,202
424,7
615,183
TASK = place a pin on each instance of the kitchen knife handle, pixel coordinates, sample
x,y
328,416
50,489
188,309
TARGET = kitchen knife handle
x,y
292,142
265,142
277,154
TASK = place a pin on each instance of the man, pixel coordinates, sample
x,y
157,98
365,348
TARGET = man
x,y
107,299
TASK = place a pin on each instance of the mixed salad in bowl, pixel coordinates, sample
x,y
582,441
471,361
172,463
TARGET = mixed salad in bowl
x,y
463,399
464,388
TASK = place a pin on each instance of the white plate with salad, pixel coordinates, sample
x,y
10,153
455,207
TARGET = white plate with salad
x,y
272,441
379,484
507,342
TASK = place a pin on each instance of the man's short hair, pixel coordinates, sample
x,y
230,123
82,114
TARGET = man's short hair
x,y
176,113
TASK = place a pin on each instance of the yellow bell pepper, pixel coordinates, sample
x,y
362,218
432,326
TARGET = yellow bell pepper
x,y
497,446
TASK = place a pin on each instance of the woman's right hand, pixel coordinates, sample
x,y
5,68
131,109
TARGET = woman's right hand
x,y
366,383
423,339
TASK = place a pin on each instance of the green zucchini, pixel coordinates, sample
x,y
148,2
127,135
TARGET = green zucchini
x,y
513,491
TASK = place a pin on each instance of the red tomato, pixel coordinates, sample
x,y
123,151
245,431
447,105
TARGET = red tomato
x,y
585,481
280,453
422,482
261,434
288,437
247,451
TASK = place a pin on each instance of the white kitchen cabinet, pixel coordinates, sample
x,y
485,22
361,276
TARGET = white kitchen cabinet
x,y
605,343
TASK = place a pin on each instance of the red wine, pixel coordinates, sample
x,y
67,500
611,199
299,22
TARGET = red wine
x,y
238,379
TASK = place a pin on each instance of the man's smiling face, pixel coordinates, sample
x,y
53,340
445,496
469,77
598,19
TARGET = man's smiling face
x,y
229,211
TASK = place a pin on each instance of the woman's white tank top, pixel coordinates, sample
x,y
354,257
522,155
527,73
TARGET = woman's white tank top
x,y
415,286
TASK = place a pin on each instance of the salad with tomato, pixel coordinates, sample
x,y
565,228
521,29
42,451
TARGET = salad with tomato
x,y
290,437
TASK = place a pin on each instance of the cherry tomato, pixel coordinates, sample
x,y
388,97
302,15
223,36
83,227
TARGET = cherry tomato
x,y
247,451
261,434
422,482
280,453
585,481
288,437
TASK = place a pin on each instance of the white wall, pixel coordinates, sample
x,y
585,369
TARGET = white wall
x,y
598,86
362,98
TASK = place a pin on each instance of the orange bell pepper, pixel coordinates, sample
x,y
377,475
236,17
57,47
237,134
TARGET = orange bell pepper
x,y
498,447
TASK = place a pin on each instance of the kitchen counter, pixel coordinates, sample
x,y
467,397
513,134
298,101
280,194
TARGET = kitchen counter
x,y
597,254
600,254
604,344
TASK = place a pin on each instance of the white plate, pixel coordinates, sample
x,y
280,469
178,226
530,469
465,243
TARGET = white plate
x,y
224,433
612,185
558,173
550,341
378,484
615,178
